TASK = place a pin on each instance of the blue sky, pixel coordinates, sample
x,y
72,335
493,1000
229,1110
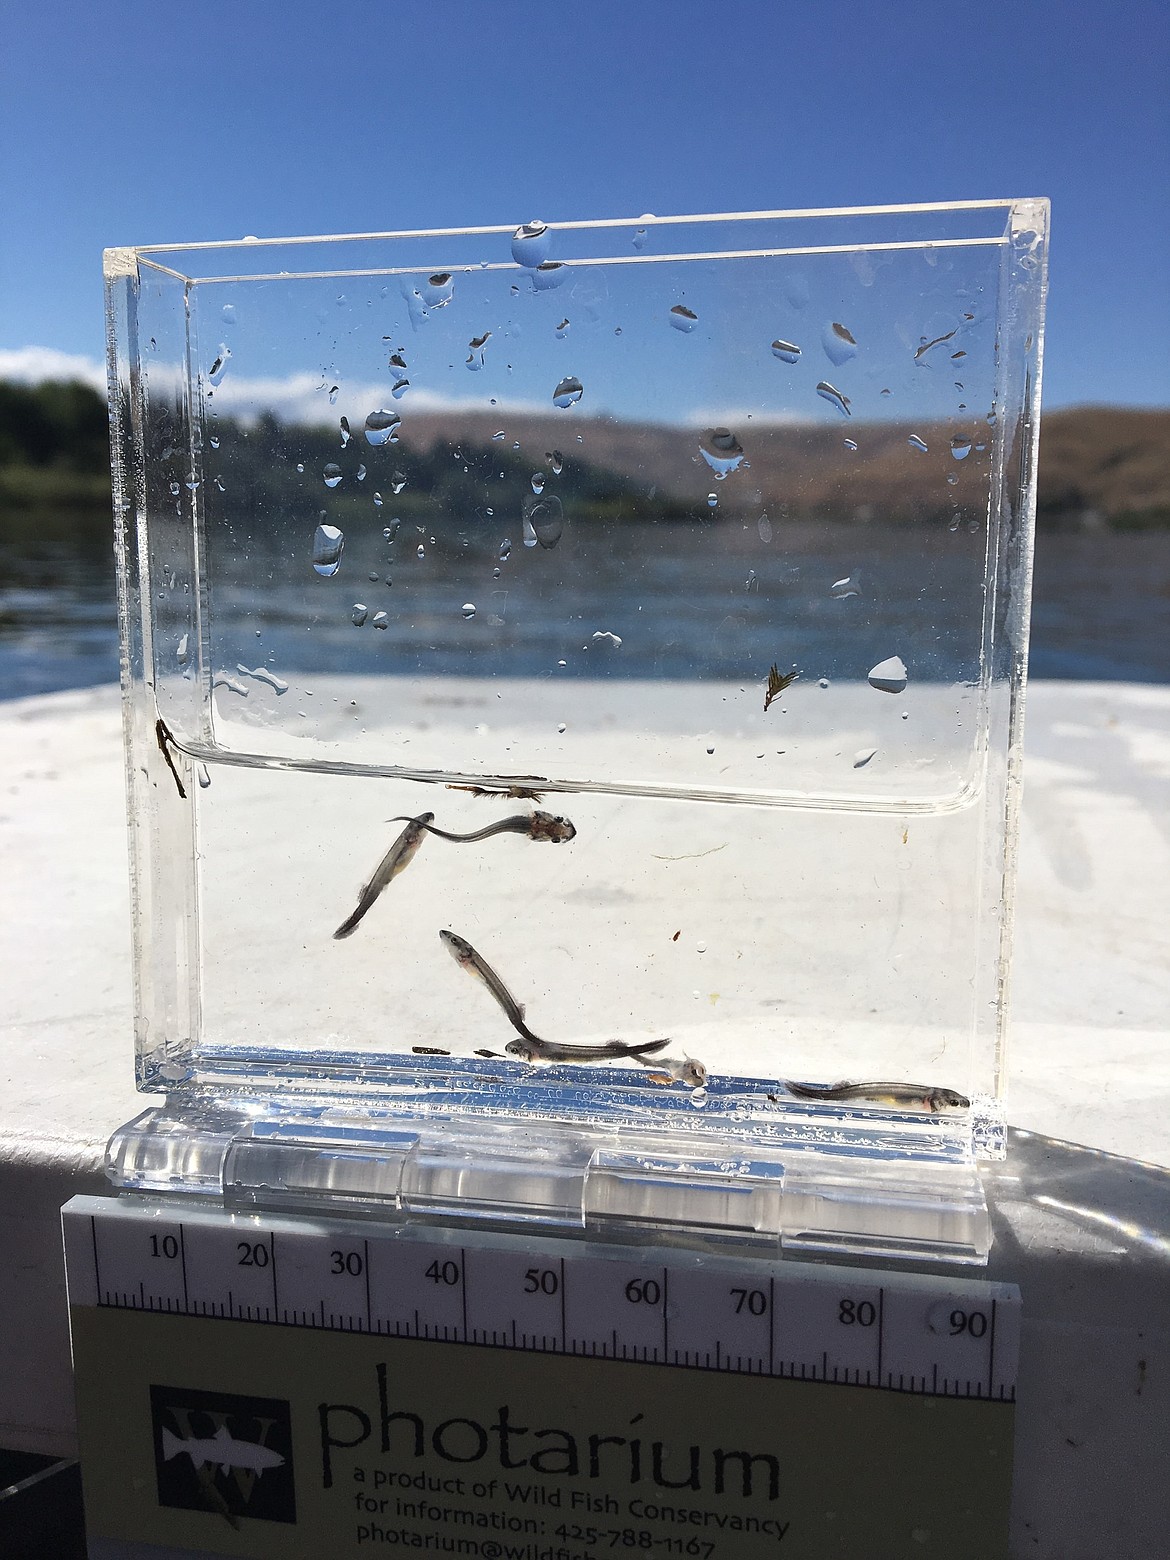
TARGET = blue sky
x,y
136,122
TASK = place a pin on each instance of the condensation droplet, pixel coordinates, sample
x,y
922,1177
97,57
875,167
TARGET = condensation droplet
x,y
952,478
786,351
614,639
888,676
561,729
991,418
476,356
711,749
764,527
639,237
420,551
300,466
345,433
568,392
439,290
725,454
378,501
712,500
358,614
556,460
549,274
328,543
505,550
682,318
332,475
399,388
468,609
862,757
830,393
851,444
537,481
381,620
530,244
361,473
562,330
219,368
382,427
838,343
545,517
203,775
960,446
175,489
823,682
916,443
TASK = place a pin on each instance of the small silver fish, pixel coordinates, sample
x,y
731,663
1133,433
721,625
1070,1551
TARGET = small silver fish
x,y
684,1069
927,1096
475,964
537,826
398,857
533,1050
530,1047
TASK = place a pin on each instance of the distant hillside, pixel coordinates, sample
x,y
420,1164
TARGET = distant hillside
x,y
1099,466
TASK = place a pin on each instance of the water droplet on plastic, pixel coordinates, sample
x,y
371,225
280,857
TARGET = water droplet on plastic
x,y
549,274
420,551
468,609
530,244
712,500
546,518
991,419
345,434
381,620
888,676
830,392
725,454
556,460
192,486
561,729
639,238
333,395
476,356
851,444
701,947
751,582
361,473
228,313
378,500
214,443
786,351
382,426
604,634
682,318
863,756
332,475
358,614
916,443
538,481
203,776
764,527
438,290
563,330
823,682
300,465
328,543
711,749
373,578
568,392
529,535
399,388
219,368
960,446
838,343
505,550
175,489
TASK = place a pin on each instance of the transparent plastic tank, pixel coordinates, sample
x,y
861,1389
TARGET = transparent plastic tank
x,y
710,535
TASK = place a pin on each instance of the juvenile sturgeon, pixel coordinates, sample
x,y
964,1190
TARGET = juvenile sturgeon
x,y
398,857
929,1096
683,1069
537,826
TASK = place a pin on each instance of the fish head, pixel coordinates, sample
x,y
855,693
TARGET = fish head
x,y
947,1099
693,1073
521,1049
458,947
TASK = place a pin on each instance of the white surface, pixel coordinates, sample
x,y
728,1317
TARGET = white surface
x,y
1082,1209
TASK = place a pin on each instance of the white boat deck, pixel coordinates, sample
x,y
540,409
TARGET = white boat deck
x,y
1081,1206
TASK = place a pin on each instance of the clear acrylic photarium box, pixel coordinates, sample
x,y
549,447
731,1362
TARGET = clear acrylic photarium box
x,y
694,554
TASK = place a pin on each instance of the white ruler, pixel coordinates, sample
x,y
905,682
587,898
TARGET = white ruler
x,y
896,1331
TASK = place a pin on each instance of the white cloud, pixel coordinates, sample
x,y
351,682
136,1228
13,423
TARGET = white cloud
x,y
31,365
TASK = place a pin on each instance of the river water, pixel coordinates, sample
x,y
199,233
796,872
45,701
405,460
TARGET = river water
x,y
1101,611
